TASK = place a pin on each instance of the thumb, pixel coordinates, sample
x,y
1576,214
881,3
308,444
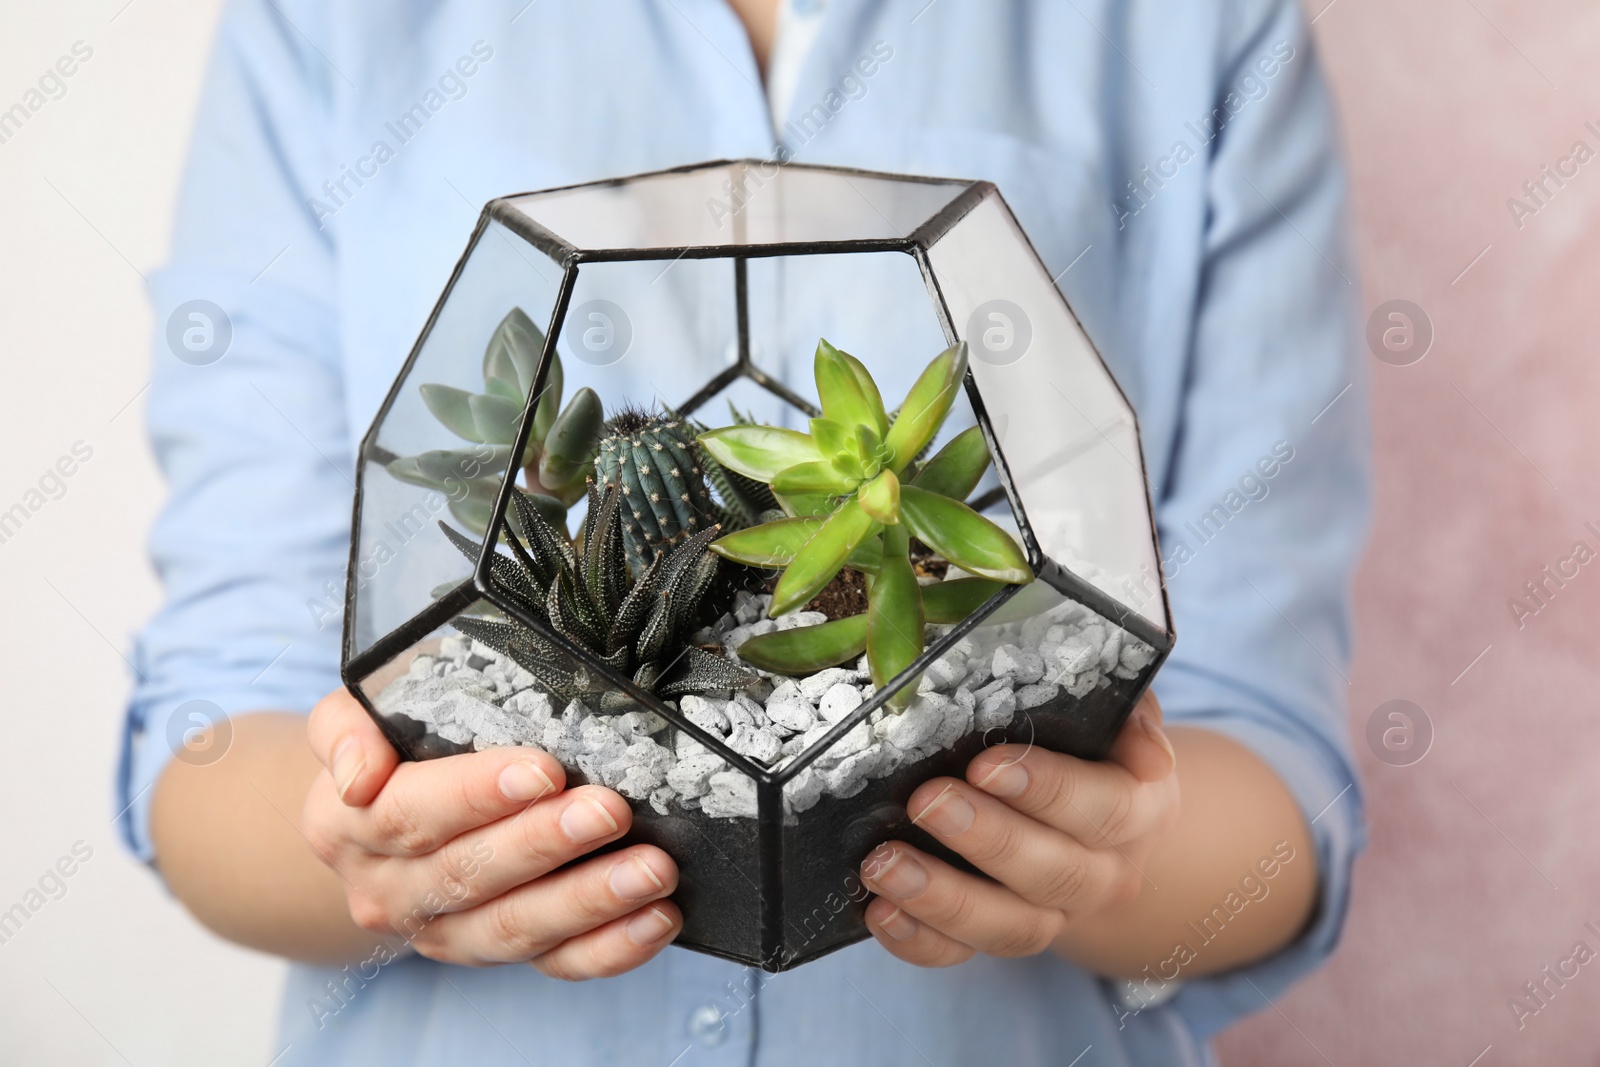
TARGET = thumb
x,y
351,746
1142,745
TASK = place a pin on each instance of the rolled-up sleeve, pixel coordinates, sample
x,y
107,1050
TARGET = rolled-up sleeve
x,y
254,445
1266,507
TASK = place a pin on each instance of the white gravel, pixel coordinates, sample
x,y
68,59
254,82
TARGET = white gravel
x,y
468,694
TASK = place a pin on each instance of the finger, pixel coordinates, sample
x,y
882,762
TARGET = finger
x,y
619,946
519,848
1035,861
980,914
913,941
351,746
428,803
1142,745
535,918
1100,804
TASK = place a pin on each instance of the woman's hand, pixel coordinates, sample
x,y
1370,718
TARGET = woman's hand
x,y
1063,839
463,857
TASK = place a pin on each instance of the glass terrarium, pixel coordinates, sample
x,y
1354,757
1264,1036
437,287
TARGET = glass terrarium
x,y
760,494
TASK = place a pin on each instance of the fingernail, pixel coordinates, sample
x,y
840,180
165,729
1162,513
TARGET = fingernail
x,y
1156,734
348,763
525,781
898,925
948,815
632,879
648,927
1008,780
900,877
585,820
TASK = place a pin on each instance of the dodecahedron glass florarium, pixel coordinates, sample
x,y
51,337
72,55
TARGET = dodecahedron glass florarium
x,y
761,495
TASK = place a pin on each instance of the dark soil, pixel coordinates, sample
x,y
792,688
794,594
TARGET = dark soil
x,y
841,598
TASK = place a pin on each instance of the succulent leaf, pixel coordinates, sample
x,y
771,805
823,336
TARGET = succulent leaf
x,y
495,417
451,406
954,599
956,469
817,476
406,469
512,357
772,544
639,630
806,649
869,390
820,559
895,621
880,498
926,405
844,402
963,537
549,398
699,671
570,443
759,452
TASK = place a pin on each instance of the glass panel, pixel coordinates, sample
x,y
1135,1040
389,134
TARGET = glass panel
x,y
425,469
649,333
1067,434
445,695
737,203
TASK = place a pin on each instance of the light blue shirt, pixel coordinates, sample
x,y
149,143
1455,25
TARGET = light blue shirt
x,y
1175,165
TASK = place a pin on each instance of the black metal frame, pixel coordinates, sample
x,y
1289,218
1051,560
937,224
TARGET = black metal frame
x,y
769,784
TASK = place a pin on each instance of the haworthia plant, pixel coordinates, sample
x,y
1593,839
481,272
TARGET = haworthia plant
x,y
639,627
556,458
855,495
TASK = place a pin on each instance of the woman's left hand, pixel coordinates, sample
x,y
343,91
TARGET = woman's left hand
x,y
1063,839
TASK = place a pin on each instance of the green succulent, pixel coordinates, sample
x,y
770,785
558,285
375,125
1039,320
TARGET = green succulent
x,y
640,626
556,458
855,495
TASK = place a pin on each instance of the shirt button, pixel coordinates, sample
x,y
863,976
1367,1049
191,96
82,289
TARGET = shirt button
x,y
706,1026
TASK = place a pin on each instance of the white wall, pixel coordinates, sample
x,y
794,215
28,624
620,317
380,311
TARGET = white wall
x,y
113,971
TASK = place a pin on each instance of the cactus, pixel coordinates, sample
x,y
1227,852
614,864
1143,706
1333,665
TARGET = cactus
x,y
652,459
639,627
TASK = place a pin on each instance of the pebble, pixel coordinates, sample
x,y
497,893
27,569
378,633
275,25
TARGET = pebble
x,y
470,695
856,739
803,790
760,745
957,724
914,725
997,710
794,714
691,777
840,700
1032,696
1017,665
661,800
731,794
947,671
637,724
813,687
706,714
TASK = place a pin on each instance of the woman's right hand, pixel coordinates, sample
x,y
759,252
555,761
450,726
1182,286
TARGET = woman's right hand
x,y
463,857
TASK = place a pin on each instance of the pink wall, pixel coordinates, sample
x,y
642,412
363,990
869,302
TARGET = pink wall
x,y
1483,866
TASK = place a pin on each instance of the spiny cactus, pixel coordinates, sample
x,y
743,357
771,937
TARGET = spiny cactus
x,y
652,459
639,627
